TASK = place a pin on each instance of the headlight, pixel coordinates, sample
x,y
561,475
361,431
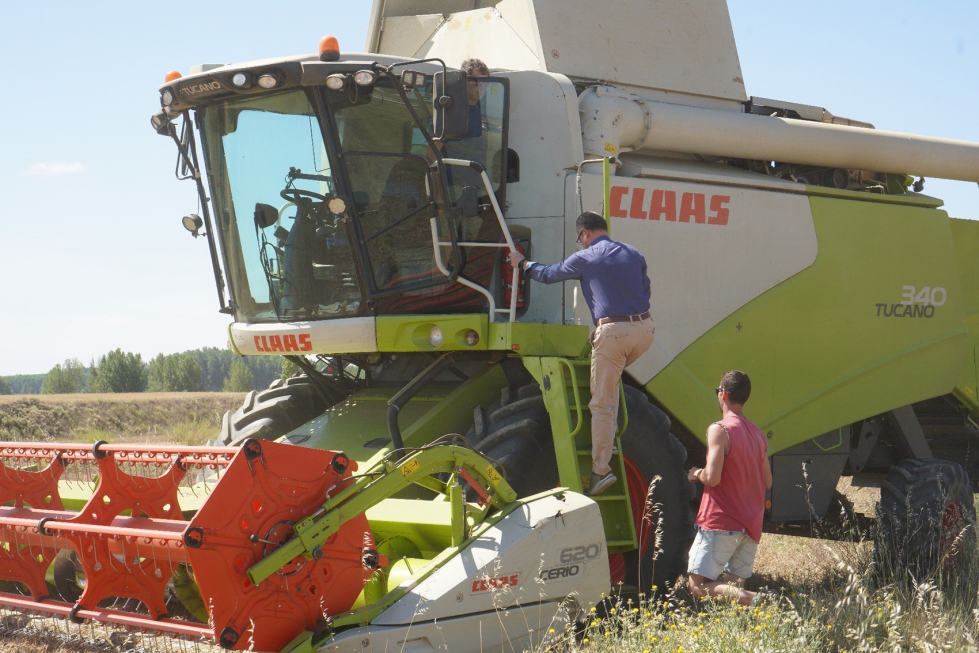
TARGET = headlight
x,y
244,80
472,338
167,97
269,80
364,77
336,82
435,337
160,122
337,206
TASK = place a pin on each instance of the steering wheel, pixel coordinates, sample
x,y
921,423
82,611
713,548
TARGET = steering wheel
x,y
293,194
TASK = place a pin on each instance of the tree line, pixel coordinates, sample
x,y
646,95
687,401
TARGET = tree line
x,y
200,370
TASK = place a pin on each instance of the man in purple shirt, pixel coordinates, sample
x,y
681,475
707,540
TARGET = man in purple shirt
x,y
616,288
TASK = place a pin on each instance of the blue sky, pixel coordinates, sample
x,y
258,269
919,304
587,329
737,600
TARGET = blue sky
x,y
96,257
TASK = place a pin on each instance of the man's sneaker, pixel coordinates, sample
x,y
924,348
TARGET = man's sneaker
x,y
599,483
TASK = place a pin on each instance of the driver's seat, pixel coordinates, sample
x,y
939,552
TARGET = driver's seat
x,y
404,189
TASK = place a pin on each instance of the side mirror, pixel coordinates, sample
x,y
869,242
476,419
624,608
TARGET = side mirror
x,y
265,215
451,106
468,202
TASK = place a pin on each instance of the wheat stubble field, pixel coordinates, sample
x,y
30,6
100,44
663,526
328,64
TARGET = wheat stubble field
x,y
824,598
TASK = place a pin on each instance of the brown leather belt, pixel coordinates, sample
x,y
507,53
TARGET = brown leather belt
x,y
623,318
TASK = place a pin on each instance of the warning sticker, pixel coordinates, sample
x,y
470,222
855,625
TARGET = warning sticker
x,y
493,476
409,467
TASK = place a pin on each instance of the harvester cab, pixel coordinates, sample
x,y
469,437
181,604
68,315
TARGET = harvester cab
x,y
418,484
349,189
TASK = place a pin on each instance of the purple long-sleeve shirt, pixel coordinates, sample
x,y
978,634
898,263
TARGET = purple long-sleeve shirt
x,y
613,277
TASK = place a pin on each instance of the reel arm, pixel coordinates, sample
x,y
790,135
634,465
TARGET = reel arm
x,y
367,491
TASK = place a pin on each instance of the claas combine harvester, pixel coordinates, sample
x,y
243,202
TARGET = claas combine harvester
x,y
419,484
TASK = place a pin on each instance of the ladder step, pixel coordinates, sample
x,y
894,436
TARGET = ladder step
x,y
620,543
608,497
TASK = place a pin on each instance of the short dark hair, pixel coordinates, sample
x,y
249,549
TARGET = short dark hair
x,y
591,221
737,385
471,66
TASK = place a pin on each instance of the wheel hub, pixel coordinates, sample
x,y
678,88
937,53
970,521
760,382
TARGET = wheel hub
x,y
953,521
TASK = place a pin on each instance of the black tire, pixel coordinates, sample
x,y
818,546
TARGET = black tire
x,y
655,451
516,432
272,413
926,527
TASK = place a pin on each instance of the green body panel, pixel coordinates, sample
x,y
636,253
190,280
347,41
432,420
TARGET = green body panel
x,y
966,236
435,411
428,524
407,333
531,339
411,332
820,347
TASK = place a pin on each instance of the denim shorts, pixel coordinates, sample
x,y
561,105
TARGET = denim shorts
x,y
716,552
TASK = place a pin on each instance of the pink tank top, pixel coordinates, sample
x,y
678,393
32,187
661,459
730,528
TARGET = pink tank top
x,y
738,501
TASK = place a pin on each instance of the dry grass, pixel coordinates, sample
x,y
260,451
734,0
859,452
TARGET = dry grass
x,y
32,634
823,584
185,418
86,398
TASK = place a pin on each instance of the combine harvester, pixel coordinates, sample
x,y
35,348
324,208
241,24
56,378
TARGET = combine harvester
x,y
419,485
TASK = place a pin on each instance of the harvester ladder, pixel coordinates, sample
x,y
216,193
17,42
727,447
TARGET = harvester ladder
x,y
437,243
566,394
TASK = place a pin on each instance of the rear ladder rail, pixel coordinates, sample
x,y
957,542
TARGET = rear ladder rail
x,y
437,244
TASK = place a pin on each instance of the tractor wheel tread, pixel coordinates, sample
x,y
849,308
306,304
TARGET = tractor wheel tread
x,y
649,444
519,406
270,414
479,422
911,514
529,390
525,427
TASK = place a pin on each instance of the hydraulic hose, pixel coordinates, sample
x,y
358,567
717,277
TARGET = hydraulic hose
x,y
403,396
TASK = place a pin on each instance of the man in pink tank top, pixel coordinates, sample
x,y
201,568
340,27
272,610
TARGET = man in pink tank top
x,y
735,478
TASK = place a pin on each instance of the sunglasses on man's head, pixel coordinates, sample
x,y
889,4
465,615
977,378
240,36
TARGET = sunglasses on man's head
x,y
718,390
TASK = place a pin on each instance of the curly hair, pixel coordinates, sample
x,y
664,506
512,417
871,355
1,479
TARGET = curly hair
x,y
471,66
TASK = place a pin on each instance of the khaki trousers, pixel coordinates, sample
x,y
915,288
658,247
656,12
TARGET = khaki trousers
x,y
615,346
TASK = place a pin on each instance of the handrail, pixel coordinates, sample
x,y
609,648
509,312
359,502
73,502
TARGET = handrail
x,y
436,243
577,396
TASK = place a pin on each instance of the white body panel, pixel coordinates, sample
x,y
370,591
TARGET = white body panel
x,y
519,628
545,132
530,572
700,272
686,48
342,336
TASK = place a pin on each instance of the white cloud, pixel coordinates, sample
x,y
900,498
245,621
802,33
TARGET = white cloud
x,y
55,169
